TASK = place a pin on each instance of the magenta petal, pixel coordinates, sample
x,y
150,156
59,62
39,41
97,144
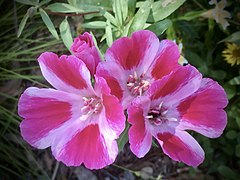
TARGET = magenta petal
x,y
166,60
182,147
88,147
140,48
114,75
66,73
140,138
202,112
113,109
44,110
176,86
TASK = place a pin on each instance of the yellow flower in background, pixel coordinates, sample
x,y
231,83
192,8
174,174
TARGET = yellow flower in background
x,y
232,54
218,13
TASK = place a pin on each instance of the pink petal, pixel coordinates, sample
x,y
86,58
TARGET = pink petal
x,y
66,73
114,75
166,59
202,112
139,138
114,113
44,111
138,50
88,147
182,147
176,86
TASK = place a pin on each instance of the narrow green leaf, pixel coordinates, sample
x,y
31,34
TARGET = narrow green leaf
x,y
109,36
131,7
48,23
235,81
191,15
95,25
160,27
141,16
227,172
161,10
22,24
64,8
123,139
235,37
109,17
65,33
28,2
117,11
44,2
124,9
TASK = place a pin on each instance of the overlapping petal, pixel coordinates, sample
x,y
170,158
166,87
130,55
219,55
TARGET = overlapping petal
x,y
72,77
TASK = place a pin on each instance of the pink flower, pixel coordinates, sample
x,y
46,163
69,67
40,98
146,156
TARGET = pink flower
x,y
81,124
83,47
132,64
179,101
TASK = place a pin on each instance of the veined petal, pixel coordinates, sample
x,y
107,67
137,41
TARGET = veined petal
x,y
180,146
114,76
176,86
113,116
203,111
66,73
139,138
44,111
138,50
89,147
166,59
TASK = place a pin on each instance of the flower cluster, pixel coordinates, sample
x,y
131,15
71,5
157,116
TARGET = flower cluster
x,y
141,75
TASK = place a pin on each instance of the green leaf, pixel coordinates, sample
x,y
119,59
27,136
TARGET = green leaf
x,y
109,36
124,9
230,90
160,27
72,2
28,2
109,17
44,2
141,16
123,139
235,81
237,150
64,8
48,23
117,11
191,15
95,25
65,33
160,11
22,24
131,7
235,37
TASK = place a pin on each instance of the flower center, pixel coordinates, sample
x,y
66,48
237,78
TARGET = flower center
x,y
160,115
91,105
137,85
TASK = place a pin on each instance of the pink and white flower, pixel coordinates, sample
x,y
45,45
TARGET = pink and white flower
x,y
81,124
132,64
84,48
180,101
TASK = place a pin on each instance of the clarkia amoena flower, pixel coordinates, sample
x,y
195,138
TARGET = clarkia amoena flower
x,y
81,124
84,48
180,101
132,64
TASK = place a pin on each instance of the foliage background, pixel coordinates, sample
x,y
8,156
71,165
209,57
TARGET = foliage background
x,y
30,27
